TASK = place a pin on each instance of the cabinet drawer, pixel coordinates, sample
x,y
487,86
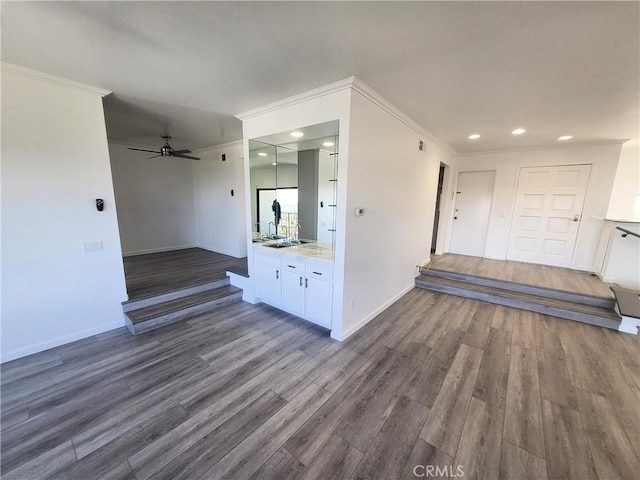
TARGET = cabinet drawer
x,y
319,273
293,266
266,260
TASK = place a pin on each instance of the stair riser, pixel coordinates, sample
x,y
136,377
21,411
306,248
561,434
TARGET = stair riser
x,y
522,305
147,302
173,317
526,289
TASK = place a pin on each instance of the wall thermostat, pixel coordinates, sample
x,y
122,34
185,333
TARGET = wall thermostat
x,y
359,211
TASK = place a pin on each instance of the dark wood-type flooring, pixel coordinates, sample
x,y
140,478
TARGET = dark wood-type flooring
x,y
557,278
249,392
157,273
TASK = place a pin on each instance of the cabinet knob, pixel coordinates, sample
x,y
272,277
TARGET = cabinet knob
x,y
306,283
277,274
300,281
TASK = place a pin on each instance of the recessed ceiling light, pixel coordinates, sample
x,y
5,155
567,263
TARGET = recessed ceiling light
x,y
475,136
274,163
565,137
297,134
518,131
263,154
328,144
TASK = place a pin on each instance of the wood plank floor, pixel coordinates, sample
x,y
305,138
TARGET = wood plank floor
x,y
575,281
157,273
249,392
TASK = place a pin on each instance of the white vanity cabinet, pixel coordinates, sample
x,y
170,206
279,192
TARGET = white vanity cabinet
x,y
293,287
318,295
301,288
268,280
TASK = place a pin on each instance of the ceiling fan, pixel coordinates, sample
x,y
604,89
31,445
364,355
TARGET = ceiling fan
x,y
167,150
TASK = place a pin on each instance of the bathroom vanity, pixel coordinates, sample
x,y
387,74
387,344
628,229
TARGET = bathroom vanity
x,y
297,279
292,184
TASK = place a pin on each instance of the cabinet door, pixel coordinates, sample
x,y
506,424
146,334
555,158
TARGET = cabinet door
x,y
268,284
318,301
293,292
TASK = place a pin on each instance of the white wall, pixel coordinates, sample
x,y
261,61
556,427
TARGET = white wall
x,y
55,163
155,200
220,217
396,184
625,197
603,158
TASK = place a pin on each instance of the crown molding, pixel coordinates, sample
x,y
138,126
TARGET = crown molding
x,y
593,143
232,144
299,98
357,85
45,77
374,97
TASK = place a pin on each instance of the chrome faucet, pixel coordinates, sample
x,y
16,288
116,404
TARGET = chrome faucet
x,y
269,229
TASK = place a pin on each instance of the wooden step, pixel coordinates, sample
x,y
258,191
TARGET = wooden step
x,y
157,315
169,294
596,301
602,317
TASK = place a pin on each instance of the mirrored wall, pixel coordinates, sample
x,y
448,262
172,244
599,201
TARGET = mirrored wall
x,y
294,183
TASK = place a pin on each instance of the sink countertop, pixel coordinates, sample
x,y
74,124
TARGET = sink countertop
x,y
320,253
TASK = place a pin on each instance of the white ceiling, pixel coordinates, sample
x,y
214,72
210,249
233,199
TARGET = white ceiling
x,y
456,68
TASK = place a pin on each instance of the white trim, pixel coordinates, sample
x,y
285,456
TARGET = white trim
x,y
629,325
348,83
299,98
371,95
36,75
219,250
159,250
40,347
347,333
590,143
232,144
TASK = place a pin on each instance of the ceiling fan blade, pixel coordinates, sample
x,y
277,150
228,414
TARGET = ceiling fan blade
x,y
180,152
143,150
186,156
155,156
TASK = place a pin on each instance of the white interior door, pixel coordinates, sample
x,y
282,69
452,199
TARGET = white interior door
x,y
471,213
547,214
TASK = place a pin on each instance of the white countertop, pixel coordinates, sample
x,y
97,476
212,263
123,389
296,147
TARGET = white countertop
x,y
314,252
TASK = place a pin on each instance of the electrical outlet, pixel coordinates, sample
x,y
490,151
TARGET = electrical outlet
x,y
93,246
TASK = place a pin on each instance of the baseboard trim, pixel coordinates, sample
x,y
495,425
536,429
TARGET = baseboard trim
x,y
350,331
159,250
220,250
40,347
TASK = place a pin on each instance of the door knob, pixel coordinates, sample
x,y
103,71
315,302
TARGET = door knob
x,y
576,218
